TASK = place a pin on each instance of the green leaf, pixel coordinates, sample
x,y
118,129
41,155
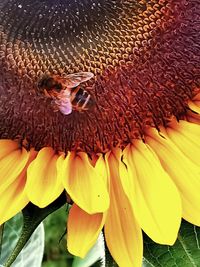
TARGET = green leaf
x,y
1,237
96,253
11,233
32,253
56,254
32,217
184,253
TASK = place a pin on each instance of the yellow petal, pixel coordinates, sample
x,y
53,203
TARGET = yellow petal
x,y
83,230
7,147
43,185
158,214
101,169
122,232
195,106
15,194
12,161
192,117
83,183
185,174
186,137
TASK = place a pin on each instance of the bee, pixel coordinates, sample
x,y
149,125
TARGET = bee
x,y
66,91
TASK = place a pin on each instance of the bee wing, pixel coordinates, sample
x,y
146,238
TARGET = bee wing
x,y
74,79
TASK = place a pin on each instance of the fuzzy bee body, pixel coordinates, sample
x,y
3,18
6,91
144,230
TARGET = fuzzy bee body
x,y
66,92
81,100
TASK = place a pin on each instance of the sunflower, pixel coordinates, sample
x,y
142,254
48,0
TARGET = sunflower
x,y
131,163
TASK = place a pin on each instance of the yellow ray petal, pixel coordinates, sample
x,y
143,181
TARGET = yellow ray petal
x,y
83,183
186,137
194,106
182,170
192,117
83,230
101,169
7,146
158,214
43,185
12,161
15,194
122,232
197,103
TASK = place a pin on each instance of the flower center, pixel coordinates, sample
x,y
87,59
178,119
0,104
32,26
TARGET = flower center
x,y
144,54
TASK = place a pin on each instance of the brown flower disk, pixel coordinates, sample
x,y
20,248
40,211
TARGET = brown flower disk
x,y
145,56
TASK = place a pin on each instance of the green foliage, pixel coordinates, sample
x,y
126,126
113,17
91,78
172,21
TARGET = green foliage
x,y
35,245
55,253
184,253
55,242
32,217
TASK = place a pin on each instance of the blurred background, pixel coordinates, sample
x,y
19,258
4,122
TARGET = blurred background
x,y
55,253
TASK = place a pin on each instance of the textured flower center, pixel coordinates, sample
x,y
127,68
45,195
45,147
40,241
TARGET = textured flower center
x,y
145,56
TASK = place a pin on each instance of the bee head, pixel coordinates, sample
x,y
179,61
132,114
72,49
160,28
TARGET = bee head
x,y
49,83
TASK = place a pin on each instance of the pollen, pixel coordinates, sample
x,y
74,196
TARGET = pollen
x,y
144,54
